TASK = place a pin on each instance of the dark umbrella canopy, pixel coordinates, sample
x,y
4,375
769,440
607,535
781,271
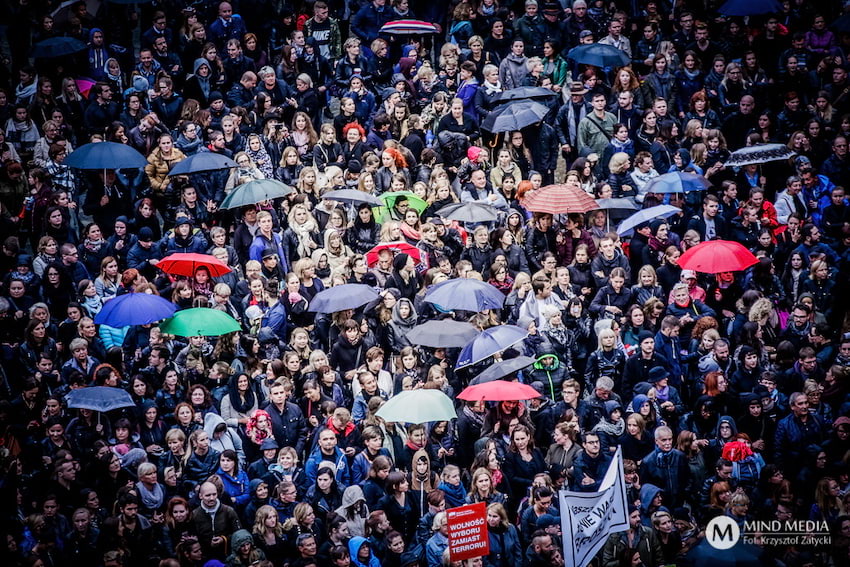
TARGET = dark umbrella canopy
x,y
105,155
468,212
99,398
502,369
524,93
445,333
202,161
599,55
341,297
514,116
842,24
750,7
57,47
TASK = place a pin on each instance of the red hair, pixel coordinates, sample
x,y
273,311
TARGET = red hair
x,y
354,126
398,157
523,188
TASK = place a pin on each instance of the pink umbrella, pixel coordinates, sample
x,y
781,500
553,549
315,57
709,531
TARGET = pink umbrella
x,y
84,86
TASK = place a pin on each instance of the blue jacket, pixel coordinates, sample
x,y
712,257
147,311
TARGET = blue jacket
x,y
343,473
505,548
354,545
361,465
237,487
669,348
275,319
594,468
367,22
218,32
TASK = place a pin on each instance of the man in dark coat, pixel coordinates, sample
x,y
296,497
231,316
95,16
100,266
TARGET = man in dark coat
x,y
666,467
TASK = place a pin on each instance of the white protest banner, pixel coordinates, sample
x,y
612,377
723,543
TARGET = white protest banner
x,y
587,518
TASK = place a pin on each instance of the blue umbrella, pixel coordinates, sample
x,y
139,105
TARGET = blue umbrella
x,y
134,309
627,227
202,161
489,342
750,7
57,47
465,294
105,155
677,182
599,55
341,297
99,398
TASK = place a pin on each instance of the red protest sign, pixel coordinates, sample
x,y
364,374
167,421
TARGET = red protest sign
x,y
468,532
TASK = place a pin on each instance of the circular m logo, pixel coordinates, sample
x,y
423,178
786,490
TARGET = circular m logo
x,y
722,533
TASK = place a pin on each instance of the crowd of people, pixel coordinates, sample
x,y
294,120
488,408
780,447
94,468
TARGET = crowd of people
x,y
728,394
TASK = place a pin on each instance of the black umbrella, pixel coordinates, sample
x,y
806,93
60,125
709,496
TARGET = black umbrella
x,y
57,47
442,334
468,212
502,369
524,93
842,24
514,116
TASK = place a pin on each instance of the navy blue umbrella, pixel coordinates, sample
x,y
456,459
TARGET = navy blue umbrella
x,y
489,342
465,294
99,398
105,155
57,47
750,7
134,309
202,161
599,55
341,297
502,369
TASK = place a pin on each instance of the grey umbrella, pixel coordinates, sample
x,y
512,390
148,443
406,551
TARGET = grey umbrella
x,y
446,333
502,369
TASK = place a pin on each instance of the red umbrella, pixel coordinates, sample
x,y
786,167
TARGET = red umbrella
x,y
556,199
498,391
715,256
185,264
395,248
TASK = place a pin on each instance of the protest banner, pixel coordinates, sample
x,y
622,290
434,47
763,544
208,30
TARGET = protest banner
x,y
588,518
468,536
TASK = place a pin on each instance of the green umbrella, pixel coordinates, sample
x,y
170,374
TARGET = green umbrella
x,y
200,322
382,214
418,406
255,192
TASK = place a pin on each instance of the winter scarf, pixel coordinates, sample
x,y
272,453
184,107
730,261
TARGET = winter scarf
x,y
304,233
455,495
261,155
25,93
614,429
490,88
151,499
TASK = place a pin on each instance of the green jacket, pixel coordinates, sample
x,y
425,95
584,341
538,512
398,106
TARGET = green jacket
x,y
592,132
334,42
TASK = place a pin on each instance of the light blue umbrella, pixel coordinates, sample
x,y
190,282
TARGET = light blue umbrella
x,y
627,227
677,182
134,309
465,294
489,342
418,406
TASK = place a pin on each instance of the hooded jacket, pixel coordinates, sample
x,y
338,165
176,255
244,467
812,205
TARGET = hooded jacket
x,y
399,327
229,440
602,264
512,70
356,520
552,376
354,545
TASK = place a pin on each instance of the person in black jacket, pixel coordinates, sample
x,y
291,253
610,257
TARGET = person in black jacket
x,y
365,233
404,276
539,238
709,224
288,425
